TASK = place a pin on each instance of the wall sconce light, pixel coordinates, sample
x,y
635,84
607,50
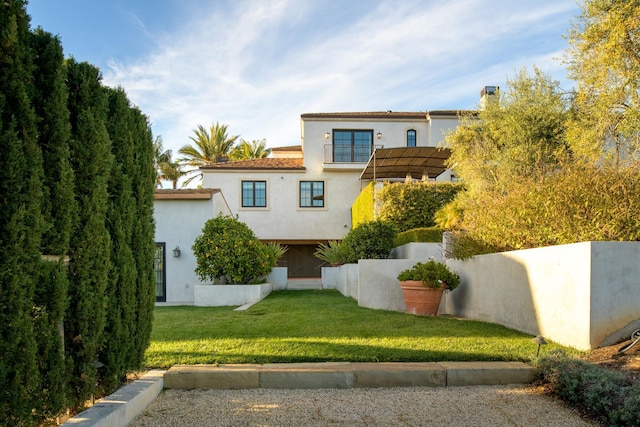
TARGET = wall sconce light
x,y
327,135
540,341
379,135
176,252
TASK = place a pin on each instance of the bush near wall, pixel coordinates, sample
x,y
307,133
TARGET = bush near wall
x,y
413,205
578,203
370,240
423,234
362,209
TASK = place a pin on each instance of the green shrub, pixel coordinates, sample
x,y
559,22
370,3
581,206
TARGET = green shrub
x,y
331,252
578,203
275,251
370,240
413,205
610,396
432,274
362,209
423,234
228,250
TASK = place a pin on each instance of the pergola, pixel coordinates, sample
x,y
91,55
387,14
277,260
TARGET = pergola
x,y
389,163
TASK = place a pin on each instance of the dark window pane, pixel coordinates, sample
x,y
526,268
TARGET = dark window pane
x,y
411,138
311,194
352,145
254,194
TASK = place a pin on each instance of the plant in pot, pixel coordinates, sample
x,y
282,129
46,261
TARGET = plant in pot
x,y
423,284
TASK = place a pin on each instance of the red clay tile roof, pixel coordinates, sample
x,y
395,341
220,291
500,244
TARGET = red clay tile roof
x,y
259,164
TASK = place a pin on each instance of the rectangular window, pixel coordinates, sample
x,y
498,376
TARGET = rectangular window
x,y
352,146
311,194
411,138
254,194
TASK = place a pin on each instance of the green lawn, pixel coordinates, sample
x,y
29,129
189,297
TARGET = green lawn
x,y
323,326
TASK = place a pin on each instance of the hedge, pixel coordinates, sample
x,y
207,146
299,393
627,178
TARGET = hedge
x,y
91,206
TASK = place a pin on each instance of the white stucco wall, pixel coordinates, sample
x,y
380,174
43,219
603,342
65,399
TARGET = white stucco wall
x,y
178,223
283,219
582,295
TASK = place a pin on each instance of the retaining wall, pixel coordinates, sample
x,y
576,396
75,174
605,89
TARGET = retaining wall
x,y
582,295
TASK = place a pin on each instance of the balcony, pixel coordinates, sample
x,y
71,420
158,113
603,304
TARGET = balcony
x,y
347,157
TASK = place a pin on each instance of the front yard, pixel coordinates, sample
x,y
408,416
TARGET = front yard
x,y
323,326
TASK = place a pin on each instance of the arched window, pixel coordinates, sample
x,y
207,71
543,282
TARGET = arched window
x,y
411,138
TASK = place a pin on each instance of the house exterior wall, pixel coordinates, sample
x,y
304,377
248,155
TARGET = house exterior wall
x,y
178,223
283,219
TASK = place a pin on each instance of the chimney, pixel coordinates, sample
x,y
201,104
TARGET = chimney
x,y
487,94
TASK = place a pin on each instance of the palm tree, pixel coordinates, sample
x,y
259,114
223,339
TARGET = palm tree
x,y
210,146
166,168
256,149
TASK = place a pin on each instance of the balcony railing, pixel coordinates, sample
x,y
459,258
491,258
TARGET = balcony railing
x,y
348,153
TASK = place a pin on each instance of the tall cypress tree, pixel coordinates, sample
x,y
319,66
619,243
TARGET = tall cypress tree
x,y
91,161
50,104
120,326
143,233
20,218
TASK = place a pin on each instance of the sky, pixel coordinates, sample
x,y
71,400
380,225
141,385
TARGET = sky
x,y
257,65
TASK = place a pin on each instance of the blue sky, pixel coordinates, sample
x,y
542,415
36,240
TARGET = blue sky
x,y
256,65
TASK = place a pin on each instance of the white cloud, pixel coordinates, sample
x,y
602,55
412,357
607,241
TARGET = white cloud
x,y
258,65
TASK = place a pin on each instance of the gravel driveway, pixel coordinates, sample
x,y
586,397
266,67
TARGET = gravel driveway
x,y
511,405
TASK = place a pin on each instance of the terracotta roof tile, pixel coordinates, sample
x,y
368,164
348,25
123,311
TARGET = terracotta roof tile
x,y
259,164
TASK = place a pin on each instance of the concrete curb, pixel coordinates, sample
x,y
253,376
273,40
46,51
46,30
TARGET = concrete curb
x,y
122,407
347,375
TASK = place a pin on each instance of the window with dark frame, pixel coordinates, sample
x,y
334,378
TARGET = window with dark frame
x,y
254,194
411,138
311,194
352,146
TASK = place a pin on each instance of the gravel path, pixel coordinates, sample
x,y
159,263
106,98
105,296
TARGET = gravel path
x,y
513,405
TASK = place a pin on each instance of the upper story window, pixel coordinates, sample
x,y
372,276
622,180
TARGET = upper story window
x,y
254,194
352,146
311,194
411,138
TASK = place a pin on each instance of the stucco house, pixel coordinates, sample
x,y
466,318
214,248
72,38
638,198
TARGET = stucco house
x,y
302,195
180,216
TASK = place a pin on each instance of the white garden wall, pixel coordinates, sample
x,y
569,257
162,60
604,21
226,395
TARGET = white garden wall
x,y
582,295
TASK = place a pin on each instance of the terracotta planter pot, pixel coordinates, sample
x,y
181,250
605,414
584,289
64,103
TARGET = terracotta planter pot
x,y
419,299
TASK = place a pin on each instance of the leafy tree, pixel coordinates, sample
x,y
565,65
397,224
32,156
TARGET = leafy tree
x,y
227,249
256,149
209,146
520,134
603,58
